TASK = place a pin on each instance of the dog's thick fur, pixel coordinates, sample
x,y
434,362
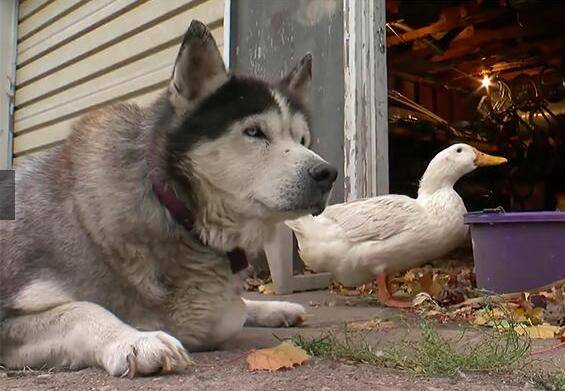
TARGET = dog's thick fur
x,y
96,272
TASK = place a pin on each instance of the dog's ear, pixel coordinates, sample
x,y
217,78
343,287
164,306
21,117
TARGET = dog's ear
x,y
199,69
299,79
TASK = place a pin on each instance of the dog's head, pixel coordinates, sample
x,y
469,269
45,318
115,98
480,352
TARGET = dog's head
x,y
242,137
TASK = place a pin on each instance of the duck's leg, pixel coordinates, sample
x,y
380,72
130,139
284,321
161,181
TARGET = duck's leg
x,y
385,296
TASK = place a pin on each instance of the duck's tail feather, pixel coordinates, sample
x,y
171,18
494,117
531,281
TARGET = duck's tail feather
x,y
301,224
303,227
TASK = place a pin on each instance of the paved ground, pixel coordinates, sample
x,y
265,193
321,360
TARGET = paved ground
x,y
226,369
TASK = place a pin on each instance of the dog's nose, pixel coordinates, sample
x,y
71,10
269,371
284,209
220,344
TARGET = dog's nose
x,y
324,175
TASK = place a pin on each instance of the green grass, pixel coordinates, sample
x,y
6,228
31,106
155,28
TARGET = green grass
x,y
349,348
430,354
436,355
549,381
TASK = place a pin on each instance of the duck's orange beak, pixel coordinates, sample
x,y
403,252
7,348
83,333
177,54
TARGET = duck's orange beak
x,y
484,160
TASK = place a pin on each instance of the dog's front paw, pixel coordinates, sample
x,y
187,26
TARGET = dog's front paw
x,y
275,314
142,353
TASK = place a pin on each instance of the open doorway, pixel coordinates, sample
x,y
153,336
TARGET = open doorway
x,y
488,73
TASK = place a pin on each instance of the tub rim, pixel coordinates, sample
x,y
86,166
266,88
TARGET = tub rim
x,y
514,217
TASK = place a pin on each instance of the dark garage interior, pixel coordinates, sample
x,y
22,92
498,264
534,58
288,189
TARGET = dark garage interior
x,y
488,73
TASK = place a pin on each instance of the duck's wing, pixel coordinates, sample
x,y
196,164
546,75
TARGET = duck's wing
x,y
377,218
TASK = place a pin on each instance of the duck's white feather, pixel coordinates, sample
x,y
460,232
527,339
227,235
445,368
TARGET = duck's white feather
x,y
358,240
370,219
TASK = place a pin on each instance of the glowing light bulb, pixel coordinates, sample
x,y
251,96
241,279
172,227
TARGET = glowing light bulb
x,y
486,82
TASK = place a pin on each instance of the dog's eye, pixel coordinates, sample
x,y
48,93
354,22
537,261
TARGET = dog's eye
x,y
254,131
459,150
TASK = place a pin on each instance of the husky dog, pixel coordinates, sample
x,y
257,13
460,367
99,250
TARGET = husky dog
x,y
128,237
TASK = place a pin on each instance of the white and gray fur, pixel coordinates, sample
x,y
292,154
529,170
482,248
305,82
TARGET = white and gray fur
x,y
94,271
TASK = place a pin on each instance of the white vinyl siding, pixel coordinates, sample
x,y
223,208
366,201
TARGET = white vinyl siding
x,y
77,55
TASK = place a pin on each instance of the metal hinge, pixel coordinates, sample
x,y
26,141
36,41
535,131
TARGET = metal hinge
x,y
11,94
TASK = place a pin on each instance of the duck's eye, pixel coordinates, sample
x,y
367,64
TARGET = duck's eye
x,y
459,150
255,132
303,140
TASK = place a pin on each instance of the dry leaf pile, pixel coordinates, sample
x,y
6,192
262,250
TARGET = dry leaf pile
x,y
449,293
283,356
446,286
446,291
539,315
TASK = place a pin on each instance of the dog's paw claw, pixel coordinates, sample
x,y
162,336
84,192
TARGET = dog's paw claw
x,y
142,353
166,365
131,371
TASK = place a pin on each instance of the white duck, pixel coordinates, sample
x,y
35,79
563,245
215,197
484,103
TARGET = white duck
x,y
364,239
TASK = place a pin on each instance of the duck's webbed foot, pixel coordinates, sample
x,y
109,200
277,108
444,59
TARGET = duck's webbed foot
x,y
385,297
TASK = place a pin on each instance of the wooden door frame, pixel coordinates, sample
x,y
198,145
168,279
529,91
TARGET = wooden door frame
x,y
365,136
366,169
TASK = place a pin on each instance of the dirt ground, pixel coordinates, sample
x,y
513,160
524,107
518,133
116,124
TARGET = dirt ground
x,y
217,371
226,369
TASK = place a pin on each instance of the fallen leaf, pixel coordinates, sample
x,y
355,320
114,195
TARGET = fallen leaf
x,y
518,315
348,292
531,316
266,289
542,331
424,299
437,315
524,301
487,316
252,284
427,281
535,315
282,356
502,325
370,325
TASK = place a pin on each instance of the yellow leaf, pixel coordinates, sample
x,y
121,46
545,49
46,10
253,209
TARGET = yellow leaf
x,y
282,356
536,315
344,291
483,317
266,289
410,276
518,314
370,325
427,281
542,331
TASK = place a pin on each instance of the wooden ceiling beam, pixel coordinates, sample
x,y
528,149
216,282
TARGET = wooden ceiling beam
x,y
482,37
452,17
473,63
475,39
549,24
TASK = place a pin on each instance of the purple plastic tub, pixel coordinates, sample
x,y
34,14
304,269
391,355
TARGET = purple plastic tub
x,y
515,252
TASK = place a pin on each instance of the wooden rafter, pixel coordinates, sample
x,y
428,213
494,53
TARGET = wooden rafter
x,y
451,18
486,36
530,24
475,36
533,51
